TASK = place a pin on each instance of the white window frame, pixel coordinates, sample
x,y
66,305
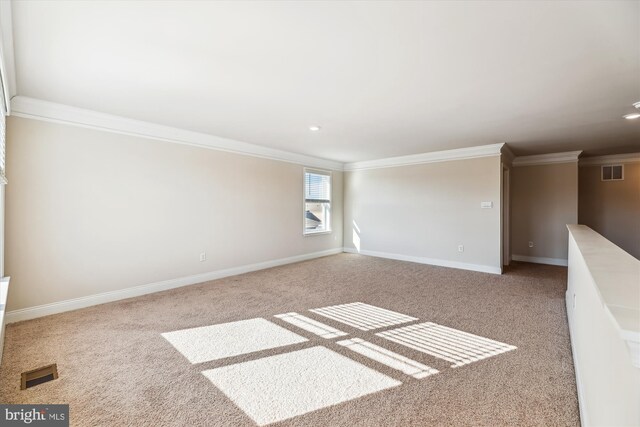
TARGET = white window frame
x,y
329,228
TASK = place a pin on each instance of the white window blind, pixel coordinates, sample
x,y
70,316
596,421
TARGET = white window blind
x,y
317,201
3,127
317,187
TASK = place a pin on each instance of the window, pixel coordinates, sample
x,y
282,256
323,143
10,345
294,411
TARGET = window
x,y
612,173
3,113
4,108
317,201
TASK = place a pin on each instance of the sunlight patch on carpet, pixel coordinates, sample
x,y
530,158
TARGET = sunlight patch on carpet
x,y
363,316
280,387
452,345
215,342
389,358
310,325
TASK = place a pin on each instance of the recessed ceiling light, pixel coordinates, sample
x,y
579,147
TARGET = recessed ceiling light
x,y
637,105
631,116
314,128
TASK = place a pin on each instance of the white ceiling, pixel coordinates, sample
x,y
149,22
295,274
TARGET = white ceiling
x,y
381,78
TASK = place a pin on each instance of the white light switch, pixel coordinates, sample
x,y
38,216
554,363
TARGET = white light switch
x,y
486,205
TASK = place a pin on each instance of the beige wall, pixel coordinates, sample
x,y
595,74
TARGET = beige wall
x,y
544,199
89,211
612,208
425,211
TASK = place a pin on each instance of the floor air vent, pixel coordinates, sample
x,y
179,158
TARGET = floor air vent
x,y
38,376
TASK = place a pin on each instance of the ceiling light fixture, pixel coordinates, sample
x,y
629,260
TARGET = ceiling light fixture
x,y
314,128
637,105
631,116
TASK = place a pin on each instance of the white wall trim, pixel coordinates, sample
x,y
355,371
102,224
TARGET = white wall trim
x,y
507,155
612,159
581,402
58,113
90,300
540,260
429,261
547,159
432,157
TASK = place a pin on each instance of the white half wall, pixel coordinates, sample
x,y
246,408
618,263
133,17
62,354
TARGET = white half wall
x,y
91,213
423,212
603,312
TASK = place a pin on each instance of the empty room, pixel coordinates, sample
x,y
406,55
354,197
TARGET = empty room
x,y
319,213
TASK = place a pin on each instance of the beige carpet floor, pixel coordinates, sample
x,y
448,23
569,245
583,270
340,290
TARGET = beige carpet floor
x,y
116,368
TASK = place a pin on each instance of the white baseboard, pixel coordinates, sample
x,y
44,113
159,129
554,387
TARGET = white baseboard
x,y
540,260
581,402
430,261
82,302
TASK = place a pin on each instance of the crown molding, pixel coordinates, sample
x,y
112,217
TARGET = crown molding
x,y
58,113
432,157
7,62
547,159
507,154
614,158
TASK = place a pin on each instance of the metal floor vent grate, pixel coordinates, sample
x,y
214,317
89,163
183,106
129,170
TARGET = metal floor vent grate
x,y
38,376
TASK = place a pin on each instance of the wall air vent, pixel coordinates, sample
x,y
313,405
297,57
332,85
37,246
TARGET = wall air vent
x,y
612,173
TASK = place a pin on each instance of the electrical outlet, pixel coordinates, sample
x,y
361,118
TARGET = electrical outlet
x,y
530,244
203,256
460,248
574,301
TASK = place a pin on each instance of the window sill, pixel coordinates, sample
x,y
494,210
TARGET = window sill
x,y
315,233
